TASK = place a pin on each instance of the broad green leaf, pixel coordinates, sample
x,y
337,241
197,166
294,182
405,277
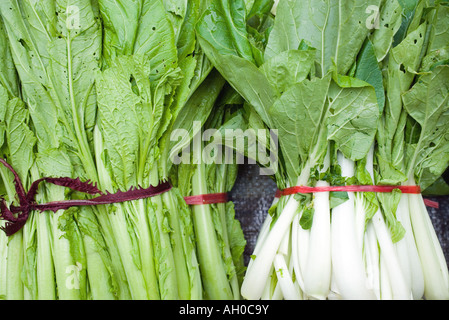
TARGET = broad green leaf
x,y
249,81
428,103
288,68
439,34
19,137
403,63
121,113
352,121
389,23
298,116
8,73
197,109
137,27
438,46
223,25
369,71
337,29
409,8
177,10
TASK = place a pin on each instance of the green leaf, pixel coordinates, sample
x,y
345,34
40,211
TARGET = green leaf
x,y
297,115
389,203
121,113
8,73
428,103
389,23
223,25
337,29
306,220
352,122
369,71
288,68
20,139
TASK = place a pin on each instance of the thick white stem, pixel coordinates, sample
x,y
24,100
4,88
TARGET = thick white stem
x,y
317,274
263,233
347,258
372,257
289,290
434,266
255,279
385,285
399,287
407,251
252,286
298,267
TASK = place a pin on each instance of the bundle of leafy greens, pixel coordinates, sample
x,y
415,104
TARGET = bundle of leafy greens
x,y
101,86
352,95
207,168
56,63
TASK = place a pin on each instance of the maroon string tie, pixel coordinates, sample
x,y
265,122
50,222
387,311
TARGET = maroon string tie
x,y
16,216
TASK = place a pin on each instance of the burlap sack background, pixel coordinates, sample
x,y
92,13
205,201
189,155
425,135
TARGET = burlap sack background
x,y
253,194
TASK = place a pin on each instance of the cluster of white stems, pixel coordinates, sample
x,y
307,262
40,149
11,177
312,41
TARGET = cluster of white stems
x,y
344,256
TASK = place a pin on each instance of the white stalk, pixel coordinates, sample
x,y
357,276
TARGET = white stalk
x,y
318,267
360,218
400,289
385,285
295,282
284,247
277,293
289,290
347,258
317,274
297,231
263,233
255,279
372,257
399,286
407,251
434,266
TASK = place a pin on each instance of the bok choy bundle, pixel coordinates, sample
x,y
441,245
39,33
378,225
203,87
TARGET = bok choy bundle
x,y
358,93
91,91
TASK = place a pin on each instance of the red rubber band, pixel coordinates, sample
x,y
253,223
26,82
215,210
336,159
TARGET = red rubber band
x,y
211,198
404,189
377,189
431,204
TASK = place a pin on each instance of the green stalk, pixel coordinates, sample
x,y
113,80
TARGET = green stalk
x,y
99,277
14,265
46,286
227,248
44,264
3,258
67,284
134,276
117,227
116,261
178,250
165,257
215,280
14,288
138,210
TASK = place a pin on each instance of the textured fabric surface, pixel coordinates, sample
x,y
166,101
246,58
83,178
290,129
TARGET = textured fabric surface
x,y
253,194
